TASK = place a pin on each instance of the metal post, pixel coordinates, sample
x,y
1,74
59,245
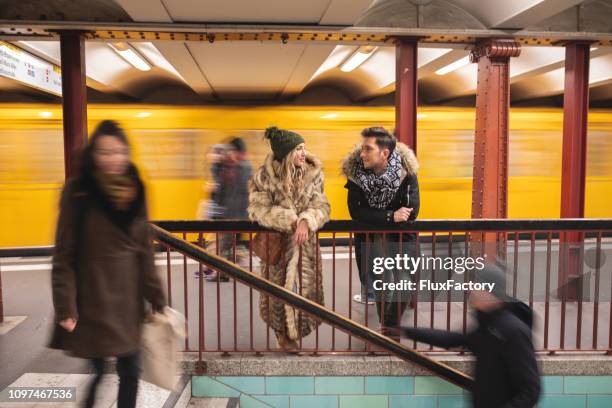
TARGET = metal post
x,y
406,90
74,96
573,173
490,176
1,303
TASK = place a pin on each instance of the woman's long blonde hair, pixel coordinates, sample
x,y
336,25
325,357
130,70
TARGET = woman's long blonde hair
x,y
292,176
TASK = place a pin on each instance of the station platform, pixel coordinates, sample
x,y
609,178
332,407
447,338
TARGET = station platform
x,y
26,360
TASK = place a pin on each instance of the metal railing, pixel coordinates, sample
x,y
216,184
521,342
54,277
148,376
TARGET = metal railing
x,y
303,304
226,318
533,252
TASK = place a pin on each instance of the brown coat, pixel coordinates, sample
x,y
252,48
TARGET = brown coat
x,y
103,270
273,207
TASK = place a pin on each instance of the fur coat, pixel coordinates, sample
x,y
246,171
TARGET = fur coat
x,y
271,206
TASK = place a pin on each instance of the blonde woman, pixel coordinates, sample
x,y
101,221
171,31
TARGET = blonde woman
x,y
286,194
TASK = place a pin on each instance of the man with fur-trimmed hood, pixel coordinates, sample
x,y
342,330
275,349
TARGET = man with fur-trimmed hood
x,y
286,194
382,190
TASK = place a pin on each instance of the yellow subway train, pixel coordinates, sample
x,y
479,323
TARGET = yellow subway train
x,y
170,143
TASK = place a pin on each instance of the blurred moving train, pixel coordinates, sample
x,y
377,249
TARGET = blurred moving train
x,y
170,143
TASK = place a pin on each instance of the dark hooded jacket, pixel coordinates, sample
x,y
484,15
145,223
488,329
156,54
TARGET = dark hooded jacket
x,y
506,373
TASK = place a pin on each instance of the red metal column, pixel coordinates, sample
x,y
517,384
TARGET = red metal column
x,y
74,96
406,90
573,173
1,302
490,176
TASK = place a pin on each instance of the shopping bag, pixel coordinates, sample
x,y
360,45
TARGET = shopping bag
x,y
160,335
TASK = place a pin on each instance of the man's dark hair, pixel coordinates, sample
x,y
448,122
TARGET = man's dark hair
x,y
384,139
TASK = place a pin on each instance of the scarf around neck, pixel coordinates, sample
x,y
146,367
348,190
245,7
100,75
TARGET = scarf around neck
x,y
380,189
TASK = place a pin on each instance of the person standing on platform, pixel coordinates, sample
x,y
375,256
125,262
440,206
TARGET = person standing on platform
x,y
103,267
383,190
286,194
232,176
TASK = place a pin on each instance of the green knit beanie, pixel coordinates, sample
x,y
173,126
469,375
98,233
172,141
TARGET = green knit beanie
x,y
282,141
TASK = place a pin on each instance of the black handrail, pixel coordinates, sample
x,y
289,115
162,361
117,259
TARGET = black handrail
x,y
498,225
564,224
310,307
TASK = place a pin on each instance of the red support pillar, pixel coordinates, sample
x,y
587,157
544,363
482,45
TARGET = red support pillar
x,y
1,302
406,90
573,173
74,96
490,176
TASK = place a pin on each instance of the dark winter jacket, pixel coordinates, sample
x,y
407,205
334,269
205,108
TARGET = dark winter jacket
x,y
103,271
506,373
232,192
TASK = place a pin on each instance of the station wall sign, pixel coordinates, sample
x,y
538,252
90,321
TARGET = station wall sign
x,y
29,70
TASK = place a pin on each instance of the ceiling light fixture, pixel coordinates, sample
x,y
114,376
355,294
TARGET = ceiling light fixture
x,y
454,66
130,55
357,58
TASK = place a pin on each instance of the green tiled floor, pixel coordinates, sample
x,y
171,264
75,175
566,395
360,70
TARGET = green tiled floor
x,y
276,401
310,401
413,401
435,386
389,385
339,385
250,402
588,385
248,385
364,401
289,385
599,401
562,401
387,392
209,387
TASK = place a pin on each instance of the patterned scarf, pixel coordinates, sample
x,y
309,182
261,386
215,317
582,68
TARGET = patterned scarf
x,y
380,189
121,190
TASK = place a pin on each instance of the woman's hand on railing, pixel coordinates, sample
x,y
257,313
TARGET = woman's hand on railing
x,y
300,236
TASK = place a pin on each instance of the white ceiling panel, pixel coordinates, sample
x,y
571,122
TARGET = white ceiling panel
x,y
241,11
237,68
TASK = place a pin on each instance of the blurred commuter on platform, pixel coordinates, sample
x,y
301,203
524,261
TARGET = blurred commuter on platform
x,y
231,197
103,266
383,190
506,372
286,195
211,209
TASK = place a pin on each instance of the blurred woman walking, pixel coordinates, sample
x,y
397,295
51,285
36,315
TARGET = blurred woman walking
x,y
103,266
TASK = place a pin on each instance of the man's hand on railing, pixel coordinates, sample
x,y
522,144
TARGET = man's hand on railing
x,y
402,214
